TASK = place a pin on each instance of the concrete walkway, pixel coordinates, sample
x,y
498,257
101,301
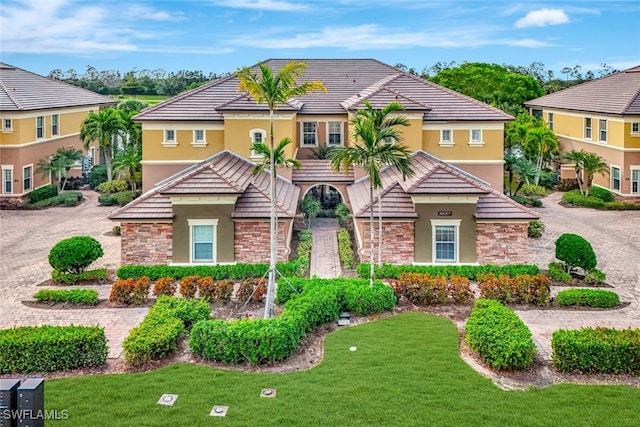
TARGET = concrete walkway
x,y
325,260
26,237
615,237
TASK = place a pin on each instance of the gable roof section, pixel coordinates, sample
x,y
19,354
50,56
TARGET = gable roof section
x,y
320,171
222,174
438,178
614,94
348,81
22,90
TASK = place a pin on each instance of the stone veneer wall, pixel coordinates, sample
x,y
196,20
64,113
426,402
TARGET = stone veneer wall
x,y
502,243
398,239
252,241
146,243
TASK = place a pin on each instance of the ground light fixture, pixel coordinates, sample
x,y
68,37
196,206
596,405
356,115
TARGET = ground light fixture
x,y
167,399
268,392
219,411
353,348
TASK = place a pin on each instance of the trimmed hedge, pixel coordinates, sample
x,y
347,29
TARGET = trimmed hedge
x,y
130,291
75,254
29,349
391,271
121,198
73,296
43,193
602,350
158,334
557,272
520,289
295,268
67,198
268,340
345,249
595,200
422,289
75,278
575,251
588,298
498,335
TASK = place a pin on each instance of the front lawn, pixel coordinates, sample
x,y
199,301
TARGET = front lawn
x,y
406,371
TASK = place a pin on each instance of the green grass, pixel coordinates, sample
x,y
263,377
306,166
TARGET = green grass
x,y
406,372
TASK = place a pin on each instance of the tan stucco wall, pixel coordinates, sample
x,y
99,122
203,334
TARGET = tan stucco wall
x,y
493,148
224,236
631,140
571,125
237,133
24,125
467,232
152,148
492,173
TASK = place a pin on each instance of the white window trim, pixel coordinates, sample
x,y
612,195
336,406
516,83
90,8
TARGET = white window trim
x,y
631,169
329,133
637,132
437,222
211,222
24,190
606,131
44,133
550,120
389,141
611,168
252,132
168,143
480,142
57,125
2,169
446,143
315,134
585,127
201,143
7,129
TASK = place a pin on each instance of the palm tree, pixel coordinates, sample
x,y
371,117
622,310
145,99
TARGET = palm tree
x,y
591,165
128,161
576,157
526,171
279,156
104,127
274,90
371,129
60,164
543,142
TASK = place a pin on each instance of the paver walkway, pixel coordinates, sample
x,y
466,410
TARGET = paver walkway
x,y
615,237
325,260
25,240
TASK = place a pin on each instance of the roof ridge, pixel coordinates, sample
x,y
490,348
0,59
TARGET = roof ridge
x,y
369,91
10,96
631,101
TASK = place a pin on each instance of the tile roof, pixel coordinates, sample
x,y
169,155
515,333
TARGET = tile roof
x,y
22,90
222,174
318,171
349,82
434,177
617,93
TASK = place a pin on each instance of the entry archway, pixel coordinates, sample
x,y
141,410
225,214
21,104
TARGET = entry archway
x,y
328,195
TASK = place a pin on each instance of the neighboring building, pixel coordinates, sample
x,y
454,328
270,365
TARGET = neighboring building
x,y
603,117
39,115
202,204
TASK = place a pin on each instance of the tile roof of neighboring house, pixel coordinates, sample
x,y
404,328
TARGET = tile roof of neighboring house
x,y
617,93
222,174
319,171
22,90
349,83
433,177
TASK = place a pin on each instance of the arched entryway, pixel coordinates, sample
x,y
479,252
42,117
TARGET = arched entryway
x,y
328,195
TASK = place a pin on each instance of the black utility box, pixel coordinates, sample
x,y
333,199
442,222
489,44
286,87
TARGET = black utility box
x,y
8,402
31,403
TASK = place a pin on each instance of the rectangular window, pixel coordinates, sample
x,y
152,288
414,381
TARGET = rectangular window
x,y
587,128
615,178
445,240
170,137
476,137
388,141
550,121
27,171
635,127
603,130
257,137
40,127
635,181
7,124
445,136
54,124
335,133
7,181
536,113
203,240
198,135
309,135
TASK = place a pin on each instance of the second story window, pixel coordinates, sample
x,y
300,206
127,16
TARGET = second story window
x,y
54,125
335,133
257,136
602,126
170,138
199,137
39,127
7,124
388,141
635,127
587,128
551,121
309,134
475,137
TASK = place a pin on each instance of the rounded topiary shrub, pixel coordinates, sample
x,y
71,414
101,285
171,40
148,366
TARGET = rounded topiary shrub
x,y
575,251
75,254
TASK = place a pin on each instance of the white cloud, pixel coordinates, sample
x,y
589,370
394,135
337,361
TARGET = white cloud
x,y
532,43
542,18
276,5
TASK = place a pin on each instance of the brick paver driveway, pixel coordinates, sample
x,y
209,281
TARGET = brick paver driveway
x,y
615,237
25,240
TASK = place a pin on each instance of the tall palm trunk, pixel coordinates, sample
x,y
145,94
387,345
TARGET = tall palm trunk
x,y
269,309
379,229
371,234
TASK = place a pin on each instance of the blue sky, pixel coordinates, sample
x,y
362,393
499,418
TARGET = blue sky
x,y
222,35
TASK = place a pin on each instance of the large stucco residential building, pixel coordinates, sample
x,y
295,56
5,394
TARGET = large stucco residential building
x,y
603,117
202,204
39,115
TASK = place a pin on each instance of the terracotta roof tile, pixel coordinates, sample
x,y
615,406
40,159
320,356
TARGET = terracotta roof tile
x,y
496,205
150,206
396,203
320,171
